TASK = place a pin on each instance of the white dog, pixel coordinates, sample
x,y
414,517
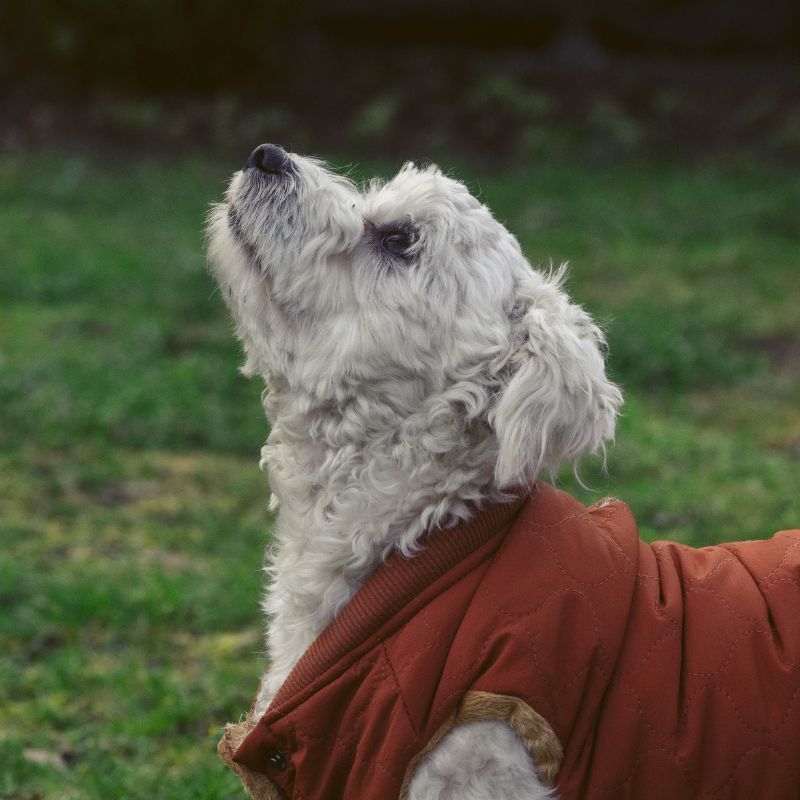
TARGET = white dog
x,y
417,367
415,363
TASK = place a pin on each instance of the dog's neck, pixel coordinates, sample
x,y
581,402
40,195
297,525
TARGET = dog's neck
x,y
355,481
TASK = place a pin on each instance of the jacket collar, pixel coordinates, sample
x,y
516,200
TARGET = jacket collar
x,y
393,585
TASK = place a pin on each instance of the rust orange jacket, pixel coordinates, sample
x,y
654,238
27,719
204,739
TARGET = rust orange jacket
x,y
628,669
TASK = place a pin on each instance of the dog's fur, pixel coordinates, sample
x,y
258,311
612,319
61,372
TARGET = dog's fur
x,y
415,364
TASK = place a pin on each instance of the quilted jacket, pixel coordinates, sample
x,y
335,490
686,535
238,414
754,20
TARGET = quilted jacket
x,y
628,669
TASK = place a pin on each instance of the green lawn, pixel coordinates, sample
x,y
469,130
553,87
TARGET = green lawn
x,y
132,511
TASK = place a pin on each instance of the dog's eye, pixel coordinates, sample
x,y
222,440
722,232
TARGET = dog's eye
x,y
396,242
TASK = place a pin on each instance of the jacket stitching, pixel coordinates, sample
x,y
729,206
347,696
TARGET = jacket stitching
x,y
399,688
794,544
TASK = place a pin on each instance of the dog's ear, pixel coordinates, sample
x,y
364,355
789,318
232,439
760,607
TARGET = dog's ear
x,y
557,404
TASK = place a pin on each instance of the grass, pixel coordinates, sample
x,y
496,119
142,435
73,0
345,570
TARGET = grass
x,y
133,516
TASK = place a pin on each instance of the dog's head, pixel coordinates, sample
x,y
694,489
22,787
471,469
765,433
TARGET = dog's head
x,y
411,291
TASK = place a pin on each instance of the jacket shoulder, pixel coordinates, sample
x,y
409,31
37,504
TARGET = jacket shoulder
x,y
557,511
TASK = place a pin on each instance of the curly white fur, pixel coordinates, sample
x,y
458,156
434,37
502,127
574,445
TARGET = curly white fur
x,y
401,389
478,761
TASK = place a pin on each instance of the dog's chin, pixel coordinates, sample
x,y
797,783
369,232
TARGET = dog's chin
x,y
242,240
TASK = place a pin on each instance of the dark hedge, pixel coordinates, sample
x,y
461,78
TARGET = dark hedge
x,y
201,45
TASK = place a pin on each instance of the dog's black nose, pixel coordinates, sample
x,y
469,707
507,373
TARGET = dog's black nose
x,y
268,158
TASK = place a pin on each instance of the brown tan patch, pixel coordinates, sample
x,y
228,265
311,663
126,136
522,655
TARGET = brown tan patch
x,y
258,786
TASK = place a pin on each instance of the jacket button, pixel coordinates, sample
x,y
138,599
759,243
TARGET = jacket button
x,y
277,760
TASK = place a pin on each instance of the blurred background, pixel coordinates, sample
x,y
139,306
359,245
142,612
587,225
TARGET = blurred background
x,y
653,145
